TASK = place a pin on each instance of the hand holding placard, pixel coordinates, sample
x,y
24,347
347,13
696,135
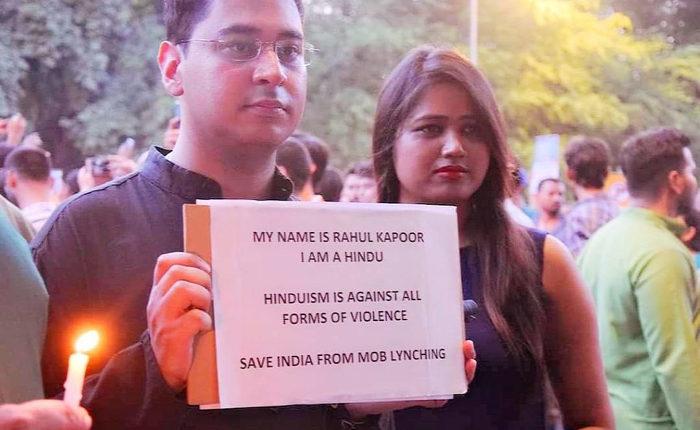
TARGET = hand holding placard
x,y
358,299
361,410
178,309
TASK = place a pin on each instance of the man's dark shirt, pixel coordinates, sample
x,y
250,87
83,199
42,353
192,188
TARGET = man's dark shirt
x,y
97,254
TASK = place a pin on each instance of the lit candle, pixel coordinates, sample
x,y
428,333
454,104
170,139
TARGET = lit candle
x,y
76,367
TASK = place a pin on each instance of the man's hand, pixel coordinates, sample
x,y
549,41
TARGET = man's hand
x,y
44,415
3,127
33,139
85,179
360,410
121,166
16,126
178,309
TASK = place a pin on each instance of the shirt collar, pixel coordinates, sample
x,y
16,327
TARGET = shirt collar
x,y
674,226
192,185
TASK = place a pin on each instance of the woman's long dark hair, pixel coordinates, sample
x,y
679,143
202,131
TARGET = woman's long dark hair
x,y
506,253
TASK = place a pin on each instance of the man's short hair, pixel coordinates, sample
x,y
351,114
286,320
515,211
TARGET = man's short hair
x,y
541,184
295,158
648,157
588,158
30,163
363,169
181,16
318,149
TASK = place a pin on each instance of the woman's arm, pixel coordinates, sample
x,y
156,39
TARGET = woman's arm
x,y
571,344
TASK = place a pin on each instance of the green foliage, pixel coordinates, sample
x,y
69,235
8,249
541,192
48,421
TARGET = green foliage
x,y
567,67
82,72
677,19
359,42
131,102
85,72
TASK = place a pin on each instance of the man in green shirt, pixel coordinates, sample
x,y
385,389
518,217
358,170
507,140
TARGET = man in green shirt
x,y
643,282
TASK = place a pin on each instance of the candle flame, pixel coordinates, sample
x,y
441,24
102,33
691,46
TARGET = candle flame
x,y
87,341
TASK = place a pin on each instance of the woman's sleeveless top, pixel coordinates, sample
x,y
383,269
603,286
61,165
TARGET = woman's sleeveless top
x,y
498,397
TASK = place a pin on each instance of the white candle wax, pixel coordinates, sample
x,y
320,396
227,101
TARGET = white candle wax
x,y
76,376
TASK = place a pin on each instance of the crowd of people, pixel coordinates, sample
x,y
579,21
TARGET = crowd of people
x,y
590,310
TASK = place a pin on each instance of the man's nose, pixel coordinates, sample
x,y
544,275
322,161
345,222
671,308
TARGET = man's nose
x,y
268,69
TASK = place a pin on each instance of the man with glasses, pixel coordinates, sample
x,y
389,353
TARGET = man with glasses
x,y
238,69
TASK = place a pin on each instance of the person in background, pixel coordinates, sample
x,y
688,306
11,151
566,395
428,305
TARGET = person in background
x,y
69,185
439,138
691,236
16,219
28,181
587,164
102,169
172,132
359,185
549,199
644,284
331,185
319,152
23,304
514,204
294,162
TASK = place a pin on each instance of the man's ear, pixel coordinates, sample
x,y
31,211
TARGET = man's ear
x,y
676,181
570,175
688,234
10,180
169,59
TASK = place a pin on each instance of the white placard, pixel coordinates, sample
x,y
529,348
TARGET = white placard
x,y
334,303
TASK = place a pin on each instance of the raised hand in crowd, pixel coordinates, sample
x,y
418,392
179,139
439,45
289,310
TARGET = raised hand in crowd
x,y
102,169
33,139
15,128
43,415
3,127
120,165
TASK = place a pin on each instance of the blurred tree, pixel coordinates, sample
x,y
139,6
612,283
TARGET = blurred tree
x,y
558,66
85,74
678,19
581,72
359,42
82,72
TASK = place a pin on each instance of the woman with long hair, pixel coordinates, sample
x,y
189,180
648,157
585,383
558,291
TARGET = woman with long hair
x,y
439,138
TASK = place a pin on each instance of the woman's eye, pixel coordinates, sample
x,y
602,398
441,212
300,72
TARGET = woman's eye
x,y
429,130
471,130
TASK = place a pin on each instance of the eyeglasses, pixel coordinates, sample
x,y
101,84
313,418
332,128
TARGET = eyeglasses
x,y
290,52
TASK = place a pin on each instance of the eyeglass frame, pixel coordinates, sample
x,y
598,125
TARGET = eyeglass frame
x,y
305,47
